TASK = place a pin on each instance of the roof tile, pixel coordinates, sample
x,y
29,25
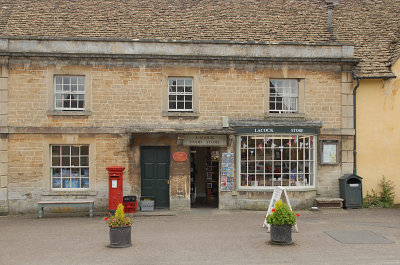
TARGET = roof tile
x,y
370,25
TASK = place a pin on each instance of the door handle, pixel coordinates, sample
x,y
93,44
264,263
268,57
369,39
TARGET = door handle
x,y
168,181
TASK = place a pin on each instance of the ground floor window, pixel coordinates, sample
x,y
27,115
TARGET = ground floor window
x,y
69,166
277,160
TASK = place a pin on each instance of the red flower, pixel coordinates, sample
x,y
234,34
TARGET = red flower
x,y
273,209
297,214
106,218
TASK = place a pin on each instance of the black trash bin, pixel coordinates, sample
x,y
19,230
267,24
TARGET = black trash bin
x,y
350,187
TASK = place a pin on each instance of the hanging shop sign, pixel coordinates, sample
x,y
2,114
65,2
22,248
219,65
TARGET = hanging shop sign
x,y
205,140
266,130
179,156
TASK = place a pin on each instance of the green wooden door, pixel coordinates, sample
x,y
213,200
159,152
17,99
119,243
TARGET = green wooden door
x,y
155,174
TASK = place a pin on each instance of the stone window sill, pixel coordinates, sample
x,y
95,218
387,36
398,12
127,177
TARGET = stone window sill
x,y
70,193
285,115
180,114
68,113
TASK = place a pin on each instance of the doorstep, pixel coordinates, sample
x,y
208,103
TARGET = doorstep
x,y
332,203
155,212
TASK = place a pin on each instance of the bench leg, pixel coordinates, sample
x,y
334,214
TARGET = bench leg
x,y
40,212
91,210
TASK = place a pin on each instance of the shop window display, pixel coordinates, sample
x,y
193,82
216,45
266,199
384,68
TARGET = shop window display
x,y
278,160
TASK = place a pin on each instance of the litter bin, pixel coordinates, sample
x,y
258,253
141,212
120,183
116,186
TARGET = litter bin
x,y
350,187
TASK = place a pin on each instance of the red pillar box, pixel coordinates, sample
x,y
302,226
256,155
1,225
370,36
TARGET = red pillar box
x,y
115,175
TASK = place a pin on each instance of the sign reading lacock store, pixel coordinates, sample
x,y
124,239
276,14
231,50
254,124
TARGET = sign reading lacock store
x,y
205,140
276,156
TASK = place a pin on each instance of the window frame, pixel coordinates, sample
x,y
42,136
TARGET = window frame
x,y
51,98
60,92
290,96
312,161
71,167
184,94
323,146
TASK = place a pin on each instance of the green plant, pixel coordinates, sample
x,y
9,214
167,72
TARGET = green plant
x,y
385,198
282,215
119,219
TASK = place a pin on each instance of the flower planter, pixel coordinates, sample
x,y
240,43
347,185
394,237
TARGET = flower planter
x,y
120,237
281,234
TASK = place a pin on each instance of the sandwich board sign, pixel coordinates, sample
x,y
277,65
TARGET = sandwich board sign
x,y
276,196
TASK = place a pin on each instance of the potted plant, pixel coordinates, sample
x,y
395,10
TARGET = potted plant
x,y
120,228
281,220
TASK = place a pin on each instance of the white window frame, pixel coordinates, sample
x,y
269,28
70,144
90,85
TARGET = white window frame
x,y
66,167
277,178
174,93
74,88
285,98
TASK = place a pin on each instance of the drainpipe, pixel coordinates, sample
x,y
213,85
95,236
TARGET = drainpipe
x,y
355,126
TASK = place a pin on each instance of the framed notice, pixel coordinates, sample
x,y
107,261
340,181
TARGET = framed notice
x,y
329,152
227,170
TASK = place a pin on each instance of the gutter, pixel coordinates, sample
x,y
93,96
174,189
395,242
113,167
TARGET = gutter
x,y
355,125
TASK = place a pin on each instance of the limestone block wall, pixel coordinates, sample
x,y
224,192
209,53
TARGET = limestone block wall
x,y
3,137
3,174
132,94
29,179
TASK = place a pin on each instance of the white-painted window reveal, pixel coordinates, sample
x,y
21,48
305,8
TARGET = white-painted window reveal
x,y
277,160
69,92
69,166
283,95
180,94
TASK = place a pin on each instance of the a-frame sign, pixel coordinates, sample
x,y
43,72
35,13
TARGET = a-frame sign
x,y
276,197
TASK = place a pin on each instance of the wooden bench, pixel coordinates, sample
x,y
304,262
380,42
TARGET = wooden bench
x,y
74,203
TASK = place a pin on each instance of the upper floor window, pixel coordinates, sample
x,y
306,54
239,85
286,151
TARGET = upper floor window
x,y
180,94
283,96
69,92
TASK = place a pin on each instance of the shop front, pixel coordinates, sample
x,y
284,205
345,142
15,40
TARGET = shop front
x,y
276,156
205,166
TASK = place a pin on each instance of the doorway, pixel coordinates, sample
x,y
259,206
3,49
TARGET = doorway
x,y
155,174
204,177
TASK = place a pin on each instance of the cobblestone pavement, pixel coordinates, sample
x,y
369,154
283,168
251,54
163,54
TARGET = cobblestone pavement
x,y
201,236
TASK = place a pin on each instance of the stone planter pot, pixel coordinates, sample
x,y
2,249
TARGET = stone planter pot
x,y
281,234
120,237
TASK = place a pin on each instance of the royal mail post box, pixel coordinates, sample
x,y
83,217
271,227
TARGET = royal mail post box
x,y
115,195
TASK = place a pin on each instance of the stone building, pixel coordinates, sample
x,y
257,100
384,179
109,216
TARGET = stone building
x,y
212,107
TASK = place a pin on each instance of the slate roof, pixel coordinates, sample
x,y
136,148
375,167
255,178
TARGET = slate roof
x,y
371,25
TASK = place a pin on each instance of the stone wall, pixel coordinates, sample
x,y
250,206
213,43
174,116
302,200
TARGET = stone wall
x,y
121,95
126,100
3,137
29,168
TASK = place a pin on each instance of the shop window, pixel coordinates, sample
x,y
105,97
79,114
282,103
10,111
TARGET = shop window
x,y
69,93
180,94
283,96
277,160
69,166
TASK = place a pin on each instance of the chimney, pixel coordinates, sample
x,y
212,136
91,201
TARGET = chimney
x,y
330,4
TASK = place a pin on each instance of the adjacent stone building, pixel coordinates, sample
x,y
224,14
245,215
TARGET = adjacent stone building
x,y
212,110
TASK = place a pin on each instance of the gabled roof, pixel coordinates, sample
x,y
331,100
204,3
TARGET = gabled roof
x,y
370,25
